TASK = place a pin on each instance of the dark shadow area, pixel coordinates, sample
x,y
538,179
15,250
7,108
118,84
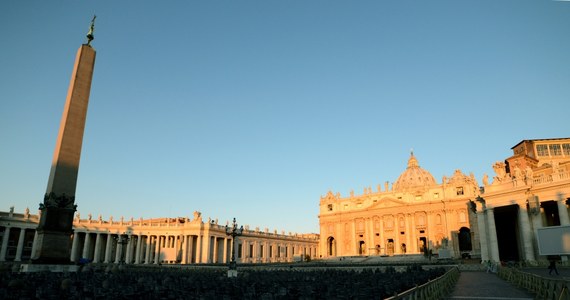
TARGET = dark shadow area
x,y
506,223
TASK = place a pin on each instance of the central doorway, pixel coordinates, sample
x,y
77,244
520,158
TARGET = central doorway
x,y
506,224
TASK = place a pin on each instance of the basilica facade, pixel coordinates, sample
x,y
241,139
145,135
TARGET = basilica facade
x,y
496,221
414,215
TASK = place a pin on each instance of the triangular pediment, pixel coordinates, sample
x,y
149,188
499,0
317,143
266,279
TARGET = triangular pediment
x,y
388,203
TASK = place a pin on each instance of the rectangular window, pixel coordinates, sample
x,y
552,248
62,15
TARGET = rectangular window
x,y
260,250
250,250
270,251
555,149
566,149
459,190
542,150
239,250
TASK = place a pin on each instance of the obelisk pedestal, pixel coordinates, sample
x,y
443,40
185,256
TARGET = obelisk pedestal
x,y
53,245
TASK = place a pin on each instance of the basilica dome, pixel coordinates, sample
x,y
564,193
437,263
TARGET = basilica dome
x,y
414,178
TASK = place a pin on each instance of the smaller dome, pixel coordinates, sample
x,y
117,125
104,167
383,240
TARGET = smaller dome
x,y
414,178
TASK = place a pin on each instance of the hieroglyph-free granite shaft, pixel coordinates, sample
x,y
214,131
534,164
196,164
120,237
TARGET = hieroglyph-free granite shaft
x,y
58,207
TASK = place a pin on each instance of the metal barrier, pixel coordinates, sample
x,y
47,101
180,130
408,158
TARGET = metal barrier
x,y
542,287
435,289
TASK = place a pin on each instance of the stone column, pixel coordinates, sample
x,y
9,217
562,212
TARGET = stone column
x,y
225,250
86,246
147,250
138,250
34,243
524,224
74,247
408,233
369,236
397,243
97,254
381,237
189,247
4,248
108,248
414,234
119,253
184,241
563,211
20,247
564,220
129,254
482,225
215,252
199,248
207,244
355,245
492,232
157,250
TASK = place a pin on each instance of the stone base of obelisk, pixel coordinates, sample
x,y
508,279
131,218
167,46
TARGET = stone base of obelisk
x,y
53,244
52,248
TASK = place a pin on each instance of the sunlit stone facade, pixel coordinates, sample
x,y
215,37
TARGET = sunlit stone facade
x,y
530,190
496,221
416,213
157,241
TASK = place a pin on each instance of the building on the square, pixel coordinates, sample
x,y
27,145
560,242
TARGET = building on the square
x,y
156,241
415,214
530,190
496,221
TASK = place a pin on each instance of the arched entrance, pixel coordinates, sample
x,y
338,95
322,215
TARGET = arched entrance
x,y
464,238
390,247
331,246
361,248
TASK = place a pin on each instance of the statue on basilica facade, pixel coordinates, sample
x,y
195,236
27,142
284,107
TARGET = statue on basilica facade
x,y
485,179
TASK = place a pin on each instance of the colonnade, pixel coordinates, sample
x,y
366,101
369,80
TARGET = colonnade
x,y
131,248
255,250
19,247
156,242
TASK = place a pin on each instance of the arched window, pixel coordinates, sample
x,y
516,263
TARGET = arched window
x,y
438,219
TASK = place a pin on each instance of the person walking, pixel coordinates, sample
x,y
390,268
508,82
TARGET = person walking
x,y
552,267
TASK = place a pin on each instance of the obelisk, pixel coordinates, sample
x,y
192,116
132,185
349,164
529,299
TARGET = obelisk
x,y
53,244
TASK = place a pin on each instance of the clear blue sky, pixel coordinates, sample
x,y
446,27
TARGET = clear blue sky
x,y
254,109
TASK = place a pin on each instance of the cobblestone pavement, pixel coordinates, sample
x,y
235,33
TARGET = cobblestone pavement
x,y
482,285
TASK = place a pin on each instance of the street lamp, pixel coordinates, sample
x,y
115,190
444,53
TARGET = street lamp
x,y
233,232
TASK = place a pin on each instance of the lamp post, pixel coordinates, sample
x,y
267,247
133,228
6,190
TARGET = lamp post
x,y
233,231
122,239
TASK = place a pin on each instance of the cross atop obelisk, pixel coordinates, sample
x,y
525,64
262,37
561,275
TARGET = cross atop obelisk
x,y
58,207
